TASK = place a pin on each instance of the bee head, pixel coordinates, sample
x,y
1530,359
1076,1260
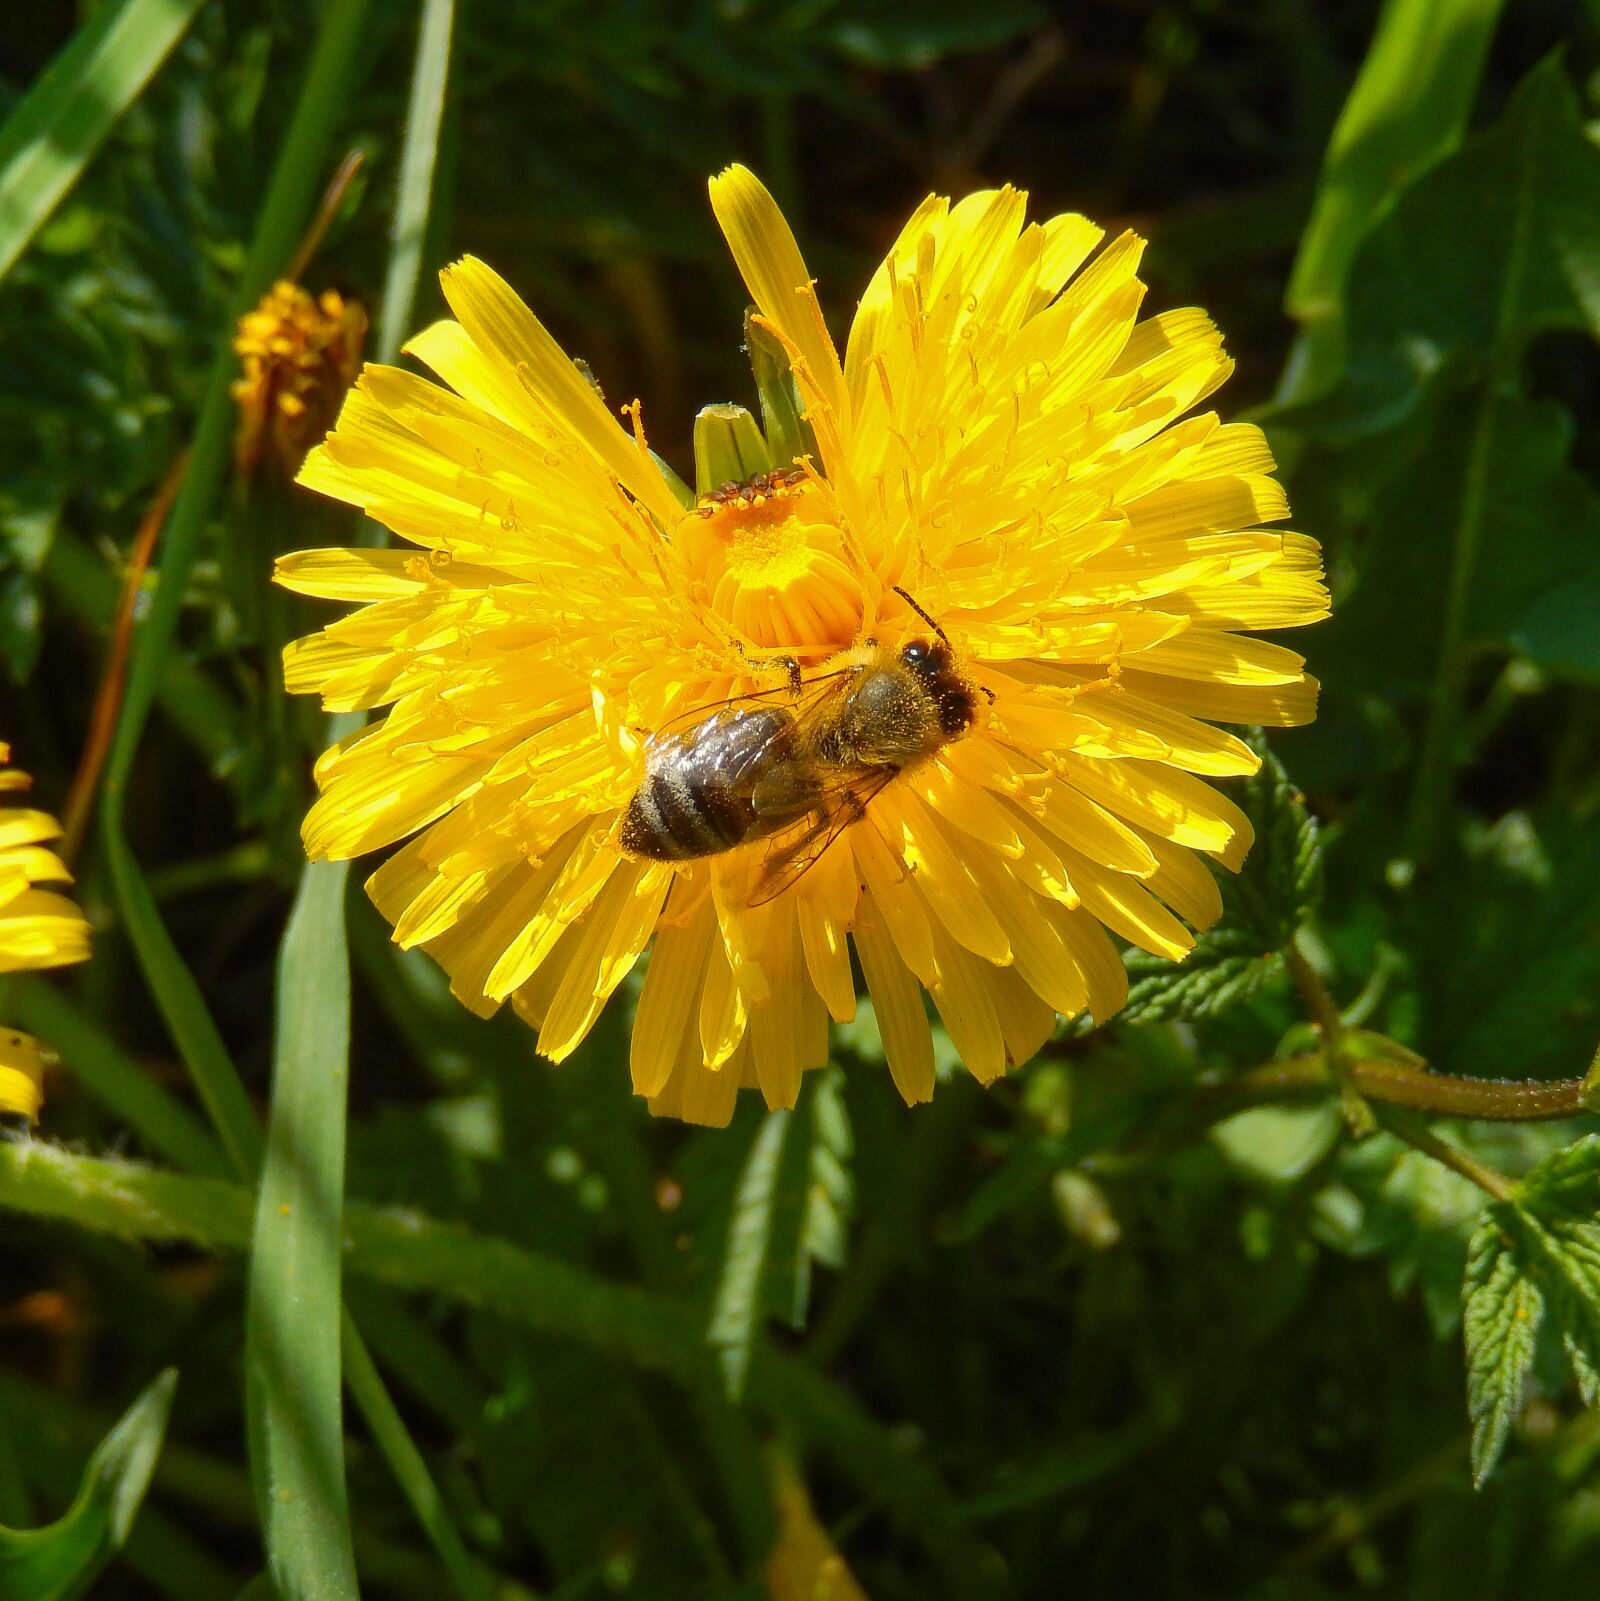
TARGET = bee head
x,y
932,662
927,658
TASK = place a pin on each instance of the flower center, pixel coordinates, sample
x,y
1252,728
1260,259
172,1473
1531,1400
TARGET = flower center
x,y
769,556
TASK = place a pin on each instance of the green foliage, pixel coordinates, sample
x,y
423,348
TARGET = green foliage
x,y
791,1208
60,1562
1409,106
1266,904
57,127
1533,1257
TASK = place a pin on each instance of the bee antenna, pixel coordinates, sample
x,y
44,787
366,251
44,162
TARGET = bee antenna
x,y
921,613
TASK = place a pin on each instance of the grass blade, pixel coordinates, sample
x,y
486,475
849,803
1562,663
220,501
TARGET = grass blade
x,y
63,1560
293,1323
418,161
410,1470
59,124
737,1307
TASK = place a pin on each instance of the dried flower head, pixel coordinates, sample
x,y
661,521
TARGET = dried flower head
x,y
300,355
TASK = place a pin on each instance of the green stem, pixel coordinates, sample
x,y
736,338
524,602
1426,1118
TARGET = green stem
x,y
1421,1138
1446,1095
1442,1094
1319,1002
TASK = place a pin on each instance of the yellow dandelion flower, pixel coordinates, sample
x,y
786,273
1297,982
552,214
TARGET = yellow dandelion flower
x,y
1000,473
299,354
38,928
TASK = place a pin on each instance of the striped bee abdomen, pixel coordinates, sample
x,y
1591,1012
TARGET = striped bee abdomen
x,y
696,796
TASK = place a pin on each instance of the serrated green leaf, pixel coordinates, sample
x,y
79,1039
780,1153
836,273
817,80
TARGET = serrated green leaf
x,y
1536,541
1537,1255
739,1305
1264,907
1281,882
62,1561
790,1209
1501,1314
1211,979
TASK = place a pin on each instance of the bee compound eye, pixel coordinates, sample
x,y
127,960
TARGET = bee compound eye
x,y
914,654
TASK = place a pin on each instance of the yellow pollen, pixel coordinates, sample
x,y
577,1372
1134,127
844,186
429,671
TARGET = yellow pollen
x,y
758,529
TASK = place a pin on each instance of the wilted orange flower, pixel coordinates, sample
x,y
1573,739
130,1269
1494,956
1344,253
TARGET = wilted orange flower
x,y
299,355
1000,449
38,928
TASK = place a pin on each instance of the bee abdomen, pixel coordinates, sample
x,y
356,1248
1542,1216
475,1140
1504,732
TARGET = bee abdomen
x,y
696,796
671,819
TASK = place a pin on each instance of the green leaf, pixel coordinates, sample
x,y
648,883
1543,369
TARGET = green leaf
x,y
1501,1314
63,1560
418,160
791,1208
739,1302
1280,1144
1226,968
292,1343
60,123
1558,629
413,1252
1533,1257
120,1084
1527,195
1531,540
1264,906
1409,107
1478,516
1506,964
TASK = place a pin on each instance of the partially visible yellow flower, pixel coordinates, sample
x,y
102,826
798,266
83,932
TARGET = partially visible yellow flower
x,y
1002,443
38,928
299,355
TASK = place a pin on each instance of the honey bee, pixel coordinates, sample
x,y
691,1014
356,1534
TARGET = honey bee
x,y
798,765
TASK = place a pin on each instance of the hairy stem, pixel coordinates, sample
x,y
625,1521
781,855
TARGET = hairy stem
x,y
1394,1083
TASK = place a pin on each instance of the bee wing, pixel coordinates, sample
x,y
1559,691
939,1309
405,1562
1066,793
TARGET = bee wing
x,y
793,854
812,694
